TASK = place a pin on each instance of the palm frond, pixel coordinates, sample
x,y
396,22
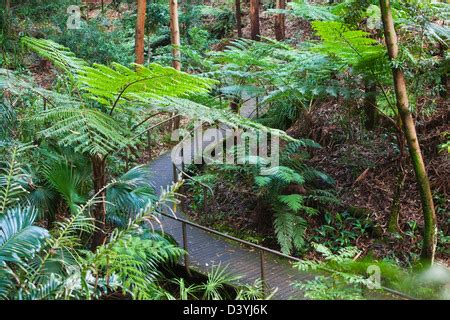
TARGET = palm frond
x,y
19,238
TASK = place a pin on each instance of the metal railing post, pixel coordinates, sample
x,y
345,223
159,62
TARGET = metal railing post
x,y
205,201
257,107
263,275
182,162
174,169
149,144
185,247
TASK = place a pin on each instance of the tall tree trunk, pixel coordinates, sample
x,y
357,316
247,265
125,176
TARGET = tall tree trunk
x,y
175,38
370,104
140,31
175,34
423,183
99,210
254,20
237,4
280,21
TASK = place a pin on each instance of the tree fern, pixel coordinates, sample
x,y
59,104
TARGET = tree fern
x,y
301,8
61,56
293,201
114,85
289,229
352,46
87,130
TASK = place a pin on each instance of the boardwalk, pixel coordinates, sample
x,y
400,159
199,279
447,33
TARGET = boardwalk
x,y
206,250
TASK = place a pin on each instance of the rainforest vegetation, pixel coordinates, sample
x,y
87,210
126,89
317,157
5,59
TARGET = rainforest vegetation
x,y
354,91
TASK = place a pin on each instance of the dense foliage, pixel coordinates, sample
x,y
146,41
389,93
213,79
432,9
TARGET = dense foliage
x,y
79,121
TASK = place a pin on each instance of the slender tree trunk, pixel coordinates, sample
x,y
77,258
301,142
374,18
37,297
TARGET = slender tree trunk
x,y
423,183
175,34
280,21
140,31
254,20
175,38
238,18
370,103
99,210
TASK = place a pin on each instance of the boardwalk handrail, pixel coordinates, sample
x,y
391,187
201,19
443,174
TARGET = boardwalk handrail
x,y
261,249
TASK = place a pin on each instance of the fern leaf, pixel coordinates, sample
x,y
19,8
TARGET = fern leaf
x,y
284,229
59,55
352,46
87,130
293,201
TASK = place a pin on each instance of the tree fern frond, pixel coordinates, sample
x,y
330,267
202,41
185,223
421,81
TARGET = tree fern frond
x,y
59,55
111,86
352,46
301,8
284,229
293,201
86,130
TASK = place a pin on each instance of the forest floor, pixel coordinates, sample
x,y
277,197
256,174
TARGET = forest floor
x,y
363,164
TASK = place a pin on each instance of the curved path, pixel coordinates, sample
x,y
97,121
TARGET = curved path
x,y
207,250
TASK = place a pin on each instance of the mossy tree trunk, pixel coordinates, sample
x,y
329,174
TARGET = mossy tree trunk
x,y
423,183
140,31
394,214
